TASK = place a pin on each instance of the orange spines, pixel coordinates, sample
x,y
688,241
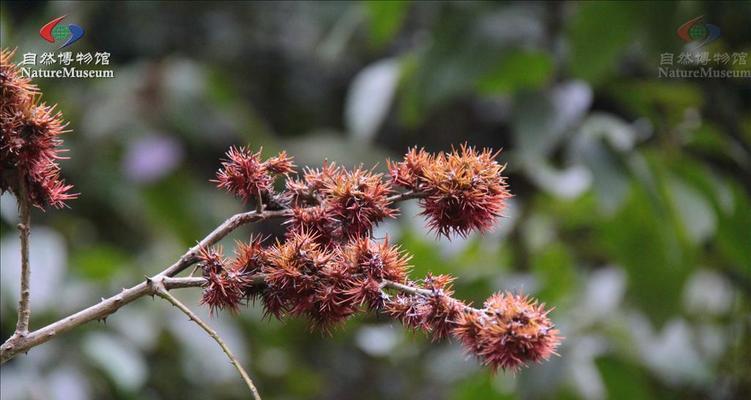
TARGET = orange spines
x,y
509,332
244,174
462,191
29,140
358,199
369,264
379,260
225,287
316,220
328,266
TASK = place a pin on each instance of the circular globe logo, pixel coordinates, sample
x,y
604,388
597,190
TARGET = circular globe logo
x,y
60,32
698,32
54,32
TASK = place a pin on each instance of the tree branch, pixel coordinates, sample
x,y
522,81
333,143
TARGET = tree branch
x,y
24,308
99,311
18,344
161,291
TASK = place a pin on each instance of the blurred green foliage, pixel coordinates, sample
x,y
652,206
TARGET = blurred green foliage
x,y
631,213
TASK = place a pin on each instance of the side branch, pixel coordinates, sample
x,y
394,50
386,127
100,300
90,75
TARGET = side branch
x,y
99,311
162,292
18,344
24,308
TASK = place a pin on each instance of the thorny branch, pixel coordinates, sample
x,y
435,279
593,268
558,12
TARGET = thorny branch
x,y
21,344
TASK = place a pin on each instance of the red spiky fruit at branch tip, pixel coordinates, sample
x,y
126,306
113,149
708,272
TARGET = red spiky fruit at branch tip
x,y
30,140
329,266
511,331
463,190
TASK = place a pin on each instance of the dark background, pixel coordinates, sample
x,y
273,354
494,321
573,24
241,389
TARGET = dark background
x,y
631,214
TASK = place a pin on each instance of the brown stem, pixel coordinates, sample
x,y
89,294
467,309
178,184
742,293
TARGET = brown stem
x,y
99,311
24,308
17,344
162,292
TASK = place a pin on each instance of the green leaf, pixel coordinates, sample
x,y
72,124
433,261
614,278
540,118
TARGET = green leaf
x,y
480,386
659,101
734,232
98,263
644,239
554,268
517,70
386,18
624,381
598,34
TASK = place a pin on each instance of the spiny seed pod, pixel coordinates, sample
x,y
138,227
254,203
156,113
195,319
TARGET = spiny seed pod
x,y
16,89
292,275
462,190
409,309
29,140
250,257
226,285
249,260
328,266
211,260
378,260
247,177
316,220
225,290
512,331
410,172
281,164
316,179
358,200
299,194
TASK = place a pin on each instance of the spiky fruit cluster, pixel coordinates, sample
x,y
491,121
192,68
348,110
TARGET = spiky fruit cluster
x,y
508,332
462,190
245,175
328,266
29,140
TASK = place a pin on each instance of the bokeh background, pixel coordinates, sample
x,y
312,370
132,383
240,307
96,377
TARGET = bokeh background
x,y
631,214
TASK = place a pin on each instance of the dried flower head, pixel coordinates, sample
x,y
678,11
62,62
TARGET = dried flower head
x,y
244,174
29,140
